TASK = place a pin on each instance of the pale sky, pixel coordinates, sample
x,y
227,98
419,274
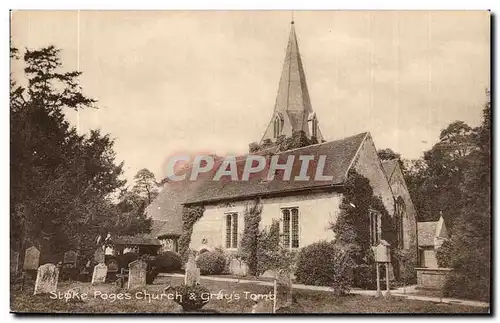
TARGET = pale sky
x,y
206,81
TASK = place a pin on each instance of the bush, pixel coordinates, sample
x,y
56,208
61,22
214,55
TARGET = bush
x,y
126,259
365,276
467,286
444,254
211,263
406,261
192,297
325,264
167,262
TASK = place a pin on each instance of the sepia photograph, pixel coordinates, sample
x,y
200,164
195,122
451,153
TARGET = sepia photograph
x,y
250,162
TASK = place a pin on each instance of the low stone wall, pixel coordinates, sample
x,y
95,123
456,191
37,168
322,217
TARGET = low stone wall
x,y
432,278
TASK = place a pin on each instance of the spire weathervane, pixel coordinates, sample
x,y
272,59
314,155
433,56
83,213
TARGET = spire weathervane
x,y
292,18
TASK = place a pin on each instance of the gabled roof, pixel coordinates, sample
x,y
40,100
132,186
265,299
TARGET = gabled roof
x,y
426,233
339,157
389,166
167,207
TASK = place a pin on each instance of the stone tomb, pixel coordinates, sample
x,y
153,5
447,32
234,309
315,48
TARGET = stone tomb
x,y
31,258
46,279
192,276
100,272
137,274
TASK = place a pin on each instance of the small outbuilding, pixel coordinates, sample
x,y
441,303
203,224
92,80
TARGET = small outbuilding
x,y
430,237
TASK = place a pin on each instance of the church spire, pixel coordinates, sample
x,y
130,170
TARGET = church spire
x,y
292,109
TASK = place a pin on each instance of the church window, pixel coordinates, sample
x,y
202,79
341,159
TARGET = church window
x,y
232,230
290,227
400,215
277,126
315,127
375,228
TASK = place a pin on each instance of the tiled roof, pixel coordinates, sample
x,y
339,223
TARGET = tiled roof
x,y
156,227
426,233
339,155
136,240
167,207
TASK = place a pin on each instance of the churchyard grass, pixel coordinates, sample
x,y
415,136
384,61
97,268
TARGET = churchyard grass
x,y
307,301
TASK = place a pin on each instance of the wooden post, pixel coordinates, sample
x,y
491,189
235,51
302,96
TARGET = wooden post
x,y
275,295
379,293
388,292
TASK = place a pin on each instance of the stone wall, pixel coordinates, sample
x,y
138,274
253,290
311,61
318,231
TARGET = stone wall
x,y
432,278
368,164
316,213
399,188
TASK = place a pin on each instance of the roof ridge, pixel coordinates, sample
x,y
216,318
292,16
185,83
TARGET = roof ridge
x,y
326,142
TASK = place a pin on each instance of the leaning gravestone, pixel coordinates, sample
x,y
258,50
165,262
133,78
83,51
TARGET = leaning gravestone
x,y
46,279
137,274
100,272
70,258
99,256
14,262
192,276
31,258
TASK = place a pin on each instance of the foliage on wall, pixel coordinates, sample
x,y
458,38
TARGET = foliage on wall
x,y
352,228
190,215
271,254
262,249
249,240
298,139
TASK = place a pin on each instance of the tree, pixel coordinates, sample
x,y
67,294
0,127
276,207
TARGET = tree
x,y
145,185
388,154
60,180
471,235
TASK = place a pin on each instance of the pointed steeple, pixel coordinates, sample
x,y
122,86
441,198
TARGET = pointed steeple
x,y
293,105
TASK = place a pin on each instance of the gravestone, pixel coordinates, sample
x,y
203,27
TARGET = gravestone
x,y
70,258
46,279
284,291
99,256
192,275
31,258
137,274
14,262
100,272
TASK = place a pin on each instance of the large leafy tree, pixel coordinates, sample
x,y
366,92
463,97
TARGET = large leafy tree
x,y
60,180
471,237
145,185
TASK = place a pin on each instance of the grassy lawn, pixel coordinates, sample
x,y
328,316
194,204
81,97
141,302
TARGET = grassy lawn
x,y
101,300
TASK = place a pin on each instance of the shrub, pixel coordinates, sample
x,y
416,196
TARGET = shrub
x,y
167,262
365,276
406,262
126,259
192,297
444,254
211,263
325,264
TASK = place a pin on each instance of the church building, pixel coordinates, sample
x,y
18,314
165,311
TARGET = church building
x,y
306,210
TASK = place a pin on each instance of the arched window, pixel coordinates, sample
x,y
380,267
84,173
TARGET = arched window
x,y
315,127
400,215
277,126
